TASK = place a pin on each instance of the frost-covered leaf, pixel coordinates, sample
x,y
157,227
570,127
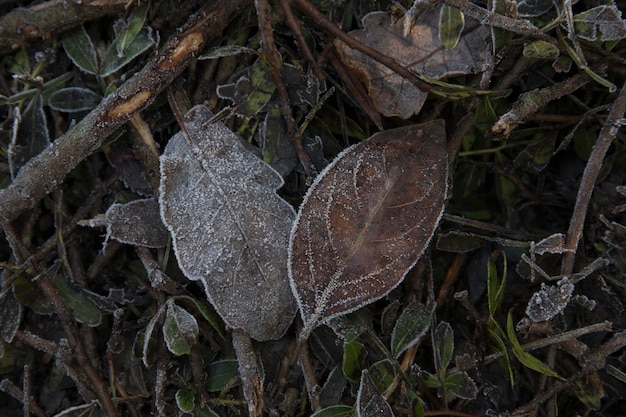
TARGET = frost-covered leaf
x,y
180,329
79,47
128,168
550,300
383,373
277,149
411,326
421,51
113,61
137,223
229,228
606,19
252,91
366,220
185,400
533,8
461,385
73,99
369,401
126,30
541,50
30,135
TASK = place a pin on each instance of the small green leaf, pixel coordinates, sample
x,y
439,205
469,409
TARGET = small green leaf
x,y
506,191
126,31
185,400
334,411
73,99
541,50
444,345
352,356
430,380
451,25
20,63
79,47
485,115
461,385
351,326
222,374
84,310
411,326
496,336
606,19
208,313
502,37
495,286
180,329
112,62
383,374
524,357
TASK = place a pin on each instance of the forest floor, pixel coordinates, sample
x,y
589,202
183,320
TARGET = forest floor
x,y
334,208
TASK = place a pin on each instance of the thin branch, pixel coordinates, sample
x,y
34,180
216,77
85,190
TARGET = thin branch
x,y
21,25
590,175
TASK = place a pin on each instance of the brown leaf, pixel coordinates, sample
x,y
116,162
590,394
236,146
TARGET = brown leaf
x,y
366,220
421,51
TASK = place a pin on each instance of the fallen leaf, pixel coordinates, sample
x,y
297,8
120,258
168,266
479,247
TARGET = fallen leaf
x,y
366,220
421,51
230,230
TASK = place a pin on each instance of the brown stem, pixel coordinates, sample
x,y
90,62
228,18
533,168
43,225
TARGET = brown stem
x,y
251,377
590,175
274,63
297,33
131,97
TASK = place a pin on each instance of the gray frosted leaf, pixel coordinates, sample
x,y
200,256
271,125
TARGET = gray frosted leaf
x,y
366,220
230,229
137,223
550,300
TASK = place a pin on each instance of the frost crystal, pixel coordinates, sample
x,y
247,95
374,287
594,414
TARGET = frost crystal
x,y
550,300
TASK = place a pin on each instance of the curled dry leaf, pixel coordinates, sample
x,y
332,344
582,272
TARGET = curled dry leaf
x,y
421,51
230,229
366,220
